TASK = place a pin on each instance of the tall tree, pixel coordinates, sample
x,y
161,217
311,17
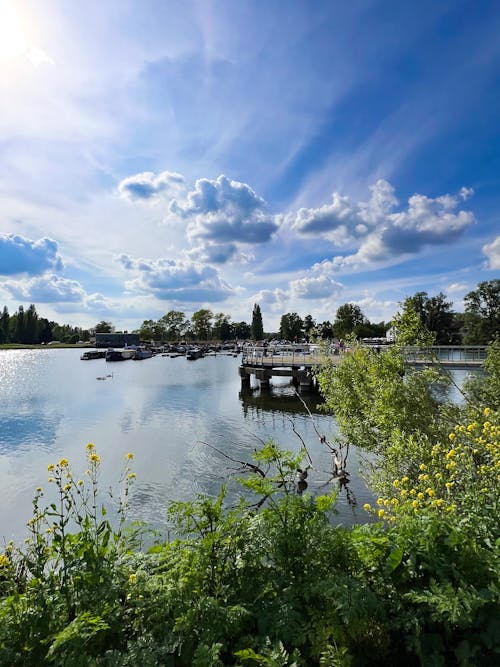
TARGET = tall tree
x,y
19,326
104,327
482,313
174,323
291,326
309,326
348,318
201,322
257,327
4,325
435,315
31,328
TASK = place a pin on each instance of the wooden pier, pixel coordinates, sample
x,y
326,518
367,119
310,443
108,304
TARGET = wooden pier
x,y
264,363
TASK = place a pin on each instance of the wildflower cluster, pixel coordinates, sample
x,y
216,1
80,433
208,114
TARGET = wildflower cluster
x,y
465,467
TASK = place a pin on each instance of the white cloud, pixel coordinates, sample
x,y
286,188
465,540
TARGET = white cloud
x,y
321,287
179,280
46,289
147,186
225,211
492,252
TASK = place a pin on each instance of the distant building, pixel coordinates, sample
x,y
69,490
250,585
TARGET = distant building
x,y
117,339
391,334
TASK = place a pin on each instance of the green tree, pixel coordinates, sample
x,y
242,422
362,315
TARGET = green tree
x,y
309,326
291,326
257,327
31,329
435,315
19,333
174,323
409,327
4,325
221,329
201,322
482,313
326,330
348,319
241,330
104,327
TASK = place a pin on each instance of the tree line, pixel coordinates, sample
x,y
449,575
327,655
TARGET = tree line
x,y
477,325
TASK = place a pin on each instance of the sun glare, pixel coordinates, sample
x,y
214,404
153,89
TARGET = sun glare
x,y
13,39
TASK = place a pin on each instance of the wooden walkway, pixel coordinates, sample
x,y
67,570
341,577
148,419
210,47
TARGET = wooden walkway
x,y
264,363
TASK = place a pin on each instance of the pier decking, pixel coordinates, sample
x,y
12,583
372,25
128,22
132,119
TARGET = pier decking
x,y
264,363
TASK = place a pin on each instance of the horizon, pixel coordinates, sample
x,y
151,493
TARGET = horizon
x,y
176,156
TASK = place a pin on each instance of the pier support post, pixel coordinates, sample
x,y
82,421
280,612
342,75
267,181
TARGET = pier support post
x,y
245,377
305,381
263,377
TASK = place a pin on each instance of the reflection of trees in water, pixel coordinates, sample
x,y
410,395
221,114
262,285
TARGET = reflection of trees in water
x,y
280,399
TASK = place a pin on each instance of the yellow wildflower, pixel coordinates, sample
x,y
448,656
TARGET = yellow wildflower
x,y
423,466
438,475
450,485
131,475
420,495
4,560
63,463
395,483
381,513
367,507
67,487
95,458
132,578
451,454
415,503
130,456
90,446
50,467
452,436
486,412
80,482
380,501
405,479
430,492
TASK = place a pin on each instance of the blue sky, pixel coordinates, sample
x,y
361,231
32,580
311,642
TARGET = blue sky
x,y
159,155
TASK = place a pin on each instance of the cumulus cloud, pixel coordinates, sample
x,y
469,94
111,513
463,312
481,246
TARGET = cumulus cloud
x,y
19,255
180,280
46,289
492,252
276,299
214,253
321,287
225,211
456,288
148,186
383,234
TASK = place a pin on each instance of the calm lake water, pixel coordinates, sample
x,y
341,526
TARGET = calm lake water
x,y
163,410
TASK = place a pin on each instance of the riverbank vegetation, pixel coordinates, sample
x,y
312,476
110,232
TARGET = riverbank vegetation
x,y
272,580
479,324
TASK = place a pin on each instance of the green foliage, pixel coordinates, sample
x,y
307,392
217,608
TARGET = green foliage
x,y
482,313
271,581
257,327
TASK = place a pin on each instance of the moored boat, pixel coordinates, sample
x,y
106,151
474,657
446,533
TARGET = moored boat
x,y
194,353
114,355
142,353
93,354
